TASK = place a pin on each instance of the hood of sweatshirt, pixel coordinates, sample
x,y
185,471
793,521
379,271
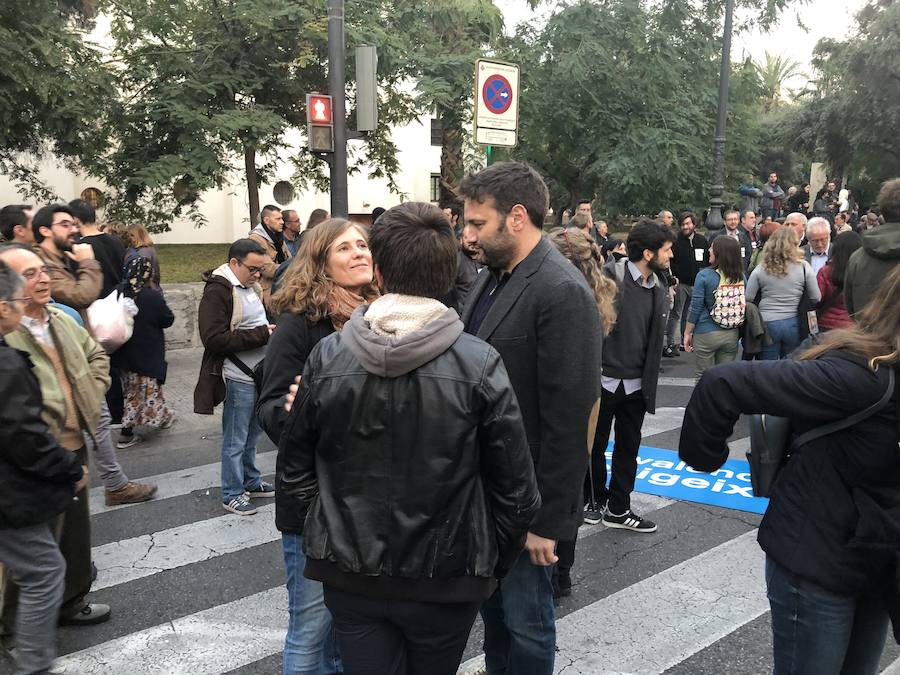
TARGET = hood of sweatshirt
x,y
883,241
395,355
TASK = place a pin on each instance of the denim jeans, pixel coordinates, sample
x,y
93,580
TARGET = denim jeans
x,y
309,647
239,433
519,623
817,632
785,339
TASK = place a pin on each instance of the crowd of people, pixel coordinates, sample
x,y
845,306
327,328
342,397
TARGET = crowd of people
x,y
430,382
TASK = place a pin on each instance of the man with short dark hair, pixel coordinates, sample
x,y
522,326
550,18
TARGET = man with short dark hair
x,y
75,275
291,230
879,254
535,308
15,224
772,196
631,360
690,254
234,331
399,603
270,235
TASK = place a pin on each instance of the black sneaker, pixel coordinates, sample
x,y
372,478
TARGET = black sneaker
x,y
592,516
628,521
562,586
670,352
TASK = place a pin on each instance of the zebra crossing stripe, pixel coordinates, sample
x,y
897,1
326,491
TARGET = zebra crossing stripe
x,y
659,622
126,560
182,482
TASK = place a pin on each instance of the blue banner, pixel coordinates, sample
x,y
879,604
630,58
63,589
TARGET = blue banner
x,y
660,472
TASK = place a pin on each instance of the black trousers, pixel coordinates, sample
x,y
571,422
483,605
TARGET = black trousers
x,y
399,637
628,411
115,397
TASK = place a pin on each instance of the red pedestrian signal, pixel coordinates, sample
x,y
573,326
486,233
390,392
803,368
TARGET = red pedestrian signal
x,y
318,109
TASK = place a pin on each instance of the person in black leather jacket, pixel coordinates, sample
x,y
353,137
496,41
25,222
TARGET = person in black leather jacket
x,y
831,532
38,480
405,449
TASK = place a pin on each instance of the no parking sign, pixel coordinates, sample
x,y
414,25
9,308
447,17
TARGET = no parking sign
x,y
496,102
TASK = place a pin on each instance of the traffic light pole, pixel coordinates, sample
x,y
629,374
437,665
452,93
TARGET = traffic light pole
x,y
338,164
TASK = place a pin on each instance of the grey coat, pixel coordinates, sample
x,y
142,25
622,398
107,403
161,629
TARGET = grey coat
x,y
546,327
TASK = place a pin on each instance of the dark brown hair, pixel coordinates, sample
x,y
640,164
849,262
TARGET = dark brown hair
x,y
508,184
415,250
727,252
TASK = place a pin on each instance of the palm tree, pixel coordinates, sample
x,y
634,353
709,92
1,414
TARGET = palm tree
x,y
774,73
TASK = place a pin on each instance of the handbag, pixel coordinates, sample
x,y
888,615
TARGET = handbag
x,y
807,321
769,441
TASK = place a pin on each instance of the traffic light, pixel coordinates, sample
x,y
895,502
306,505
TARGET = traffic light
x,y
320,123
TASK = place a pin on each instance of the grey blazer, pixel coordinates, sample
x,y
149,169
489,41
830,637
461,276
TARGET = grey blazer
x,y
546,327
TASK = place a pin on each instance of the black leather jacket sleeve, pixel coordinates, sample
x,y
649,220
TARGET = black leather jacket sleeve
x,y
507,468
25,440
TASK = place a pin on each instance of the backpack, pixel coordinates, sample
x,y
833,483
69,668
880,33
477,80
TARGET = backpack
x,y
730,304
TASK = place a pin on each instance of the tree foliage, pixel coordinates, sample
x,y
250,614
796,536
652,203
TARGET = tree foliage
x,y
774,72
851,117
619,101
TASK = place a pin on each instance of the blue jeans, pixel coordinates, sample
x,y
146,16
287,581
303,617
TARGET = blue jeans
x,y
817,632
519,624
785,339
239,433
309,647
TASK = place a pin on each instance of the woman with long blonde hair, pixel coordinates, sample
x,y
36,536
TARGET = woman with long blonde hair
x,y
830,530
329,278
779,285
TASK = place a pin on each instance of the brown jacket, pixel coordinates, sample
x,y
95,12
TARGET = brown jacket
x,y
218,318
258,234
74,284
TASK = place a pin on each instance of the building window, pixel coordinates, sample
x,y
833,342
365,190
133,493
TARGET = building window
x,y
94,197
435,187
437,130
283,192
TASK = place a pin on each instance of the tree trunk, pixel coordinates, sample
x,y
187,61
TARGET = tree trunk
x,y
451,154
252,183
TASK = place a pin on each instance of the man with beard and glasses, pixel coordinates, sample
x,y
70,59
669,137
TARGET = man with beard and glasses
x,y
535,308
631,357
76,277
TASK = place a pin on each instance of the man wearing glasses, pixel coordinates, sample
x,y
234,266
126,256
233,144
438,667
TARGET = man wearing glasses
x,y
76,277
234,331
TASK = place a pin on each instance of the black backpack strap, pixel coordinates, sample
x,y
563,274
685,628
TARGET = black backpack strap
x,y
242,366
830,428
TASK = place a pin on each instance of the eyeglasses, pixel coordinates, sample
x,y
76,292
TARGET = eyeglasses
x,y
26,299
30,274
251,269
68,224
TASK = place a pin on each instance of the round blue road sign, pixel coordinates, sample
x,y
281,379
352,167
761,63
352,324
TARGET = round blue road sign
x,y
497,94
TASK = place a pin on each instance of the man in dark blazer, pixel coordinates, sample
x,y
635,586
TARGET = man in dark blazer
x,y
536,310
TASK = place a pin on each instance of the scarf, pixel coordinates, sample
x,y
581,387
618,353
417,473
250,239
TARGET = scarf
x,y
341,304
396,315
138,271
278,240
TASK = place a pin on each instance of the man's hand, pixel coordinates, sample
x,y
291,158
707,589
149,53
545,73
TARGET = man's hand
x,y
83,481
271,328
81,252
292,394
688,342
541,550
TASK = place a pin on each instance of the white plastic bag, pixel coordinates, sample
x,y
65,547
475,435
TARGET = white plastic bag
x,y
112,320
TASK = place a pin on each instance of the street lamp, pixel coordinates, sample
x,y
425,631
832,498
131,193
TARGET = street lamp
x,y
714,217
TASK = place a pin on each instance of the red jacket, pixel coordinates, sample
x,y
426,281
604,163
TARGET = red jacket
x,y
835,316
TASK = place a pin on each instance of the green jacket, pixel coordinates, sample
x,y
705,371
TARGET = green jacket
x,y
86,365
870,264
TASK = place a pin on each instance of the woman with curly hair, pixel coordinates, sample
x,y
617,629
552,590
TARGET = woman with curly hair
x,y
330,277
580,250
778,286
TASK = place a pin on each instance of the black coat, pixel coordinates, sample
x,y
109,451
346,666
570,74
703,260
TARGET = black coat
x,y
37,476
834,517
684,263
289,348
145,352
426,492
545,324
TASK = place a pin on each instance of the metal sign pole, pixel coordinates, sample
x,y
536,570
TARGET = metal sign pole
x,y
339,200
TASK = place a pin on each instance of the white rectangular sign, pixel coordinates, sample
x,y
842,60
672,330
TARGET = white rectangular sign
x,y
496,102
